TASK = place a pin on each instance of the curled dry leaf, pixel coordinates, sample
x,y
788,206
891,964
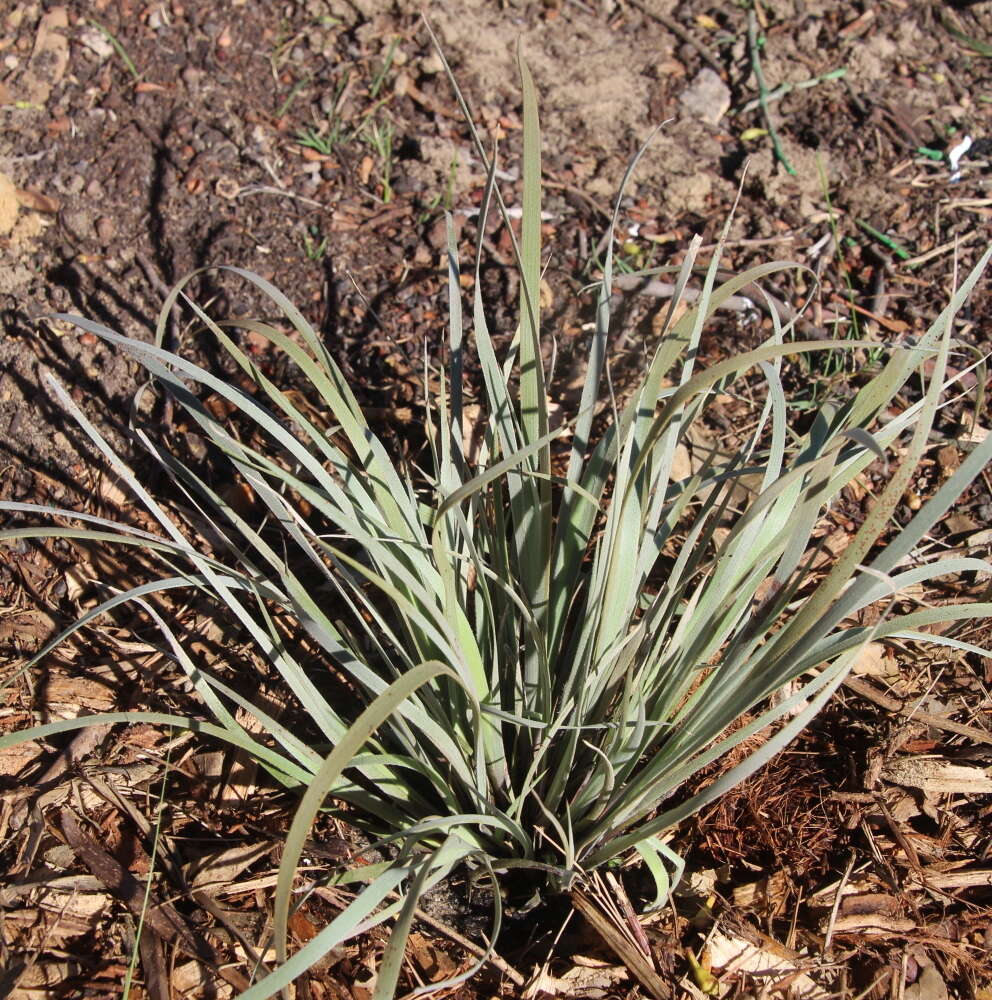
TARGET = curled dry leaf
x,y
579,981
873,661
38,202
223,867
929,986
732,955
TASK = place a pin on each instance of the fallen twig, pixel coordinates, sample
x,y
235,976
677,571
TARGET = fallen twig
x,y
958,241
872,694
734,303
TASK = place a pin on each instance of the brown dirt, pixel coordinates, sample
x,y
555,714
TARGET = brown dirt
x,y
114,184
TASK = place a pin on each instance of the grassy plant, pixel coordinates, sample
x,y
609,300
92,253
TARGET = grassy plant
x,y
544,641
443,199
380,77
325,138
314,245
119,49
149,881
379,136
321,142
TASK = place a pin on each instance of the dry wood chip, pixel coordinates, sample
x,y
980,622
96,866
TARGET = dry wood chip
x,y
15,759
195,980
873,923
934,776
43,979
433,964
68,697
61,917
49,57
9,204
80,909
28,629
38,202
947,880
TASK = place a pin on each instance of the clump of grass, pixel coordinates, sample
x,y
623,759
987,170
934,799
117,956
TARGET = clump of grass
x,y
314,244
324,138
542,647
378,134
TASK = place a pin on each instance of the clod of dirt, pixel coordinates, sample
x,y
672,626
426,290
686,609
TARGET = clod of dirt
x,y
105,228
706,98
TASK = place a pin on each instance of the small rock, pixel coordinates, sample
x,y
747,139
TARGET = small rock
x,y
227,187
105,228
191,77
706,98
97,42
431,65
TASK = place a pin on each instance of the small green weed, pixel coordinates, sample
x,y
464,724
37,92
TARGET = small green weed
x,y
292,95
119,49
322,142
314,245
443,200
325,137
380,77
378,134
